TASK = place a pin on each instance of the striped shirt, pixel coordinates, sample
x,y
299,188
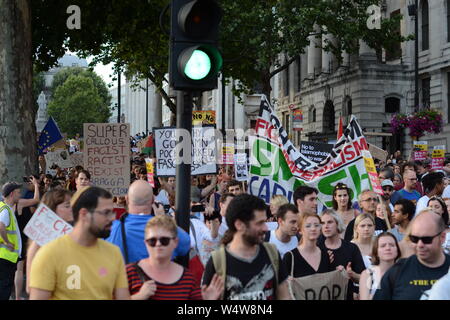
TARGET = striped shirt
x,y
183,289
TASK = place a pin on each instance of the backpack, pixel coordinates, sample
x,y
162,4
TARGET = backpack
x,y
220,264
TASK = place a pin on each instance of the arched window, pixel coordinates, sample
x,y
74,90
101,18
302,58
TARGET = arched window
x,y
312,114
425,25
392,105
328,116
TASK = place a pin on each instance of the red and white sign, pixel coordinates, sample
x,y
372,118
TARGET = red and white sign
x,y
45,226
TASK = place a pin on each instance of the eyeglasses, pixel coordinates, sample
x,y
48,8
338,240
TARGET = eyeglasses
x,y
425,240
371,199
163,240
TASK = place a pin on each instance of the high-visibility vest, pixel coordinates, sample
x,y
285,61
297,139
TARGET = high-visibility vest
x,y
11,232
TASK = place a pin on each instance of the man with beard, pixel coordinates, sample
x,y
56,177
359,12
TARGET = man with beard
x,y
411,278
80,266
251,268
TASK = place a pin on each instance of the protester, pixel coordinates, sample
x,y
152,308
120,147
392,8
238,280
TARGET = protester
x,y
403,214
433,184
307,258
120,204
222,187
368,201
363,236
341,252
386,252
386,173
82,179
275,203
447,203
234,187
384,211
342,204
398,181
305,198
388,191
422,168
213,223
410,278
159,278
10,238
59,202
48,181
409,191
438,206
167,190
224,201
130,238
285,237
253,269
81,266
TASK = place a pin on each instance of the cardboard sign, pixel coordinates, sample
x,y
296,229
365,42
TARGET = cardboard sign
x,y
372,172
315,151
438,157
228,153
45,226
297,120
150,172
320,286
203,151
59,157
76,158
420,150
241,167
107,155
203,117
378,153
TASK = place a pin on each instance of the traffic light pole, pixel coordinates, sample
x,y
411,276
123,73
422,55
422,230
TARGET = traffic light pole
x,y
183,171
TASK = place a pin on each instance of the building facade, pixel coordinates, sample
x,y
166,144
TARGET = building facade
x,y
372,85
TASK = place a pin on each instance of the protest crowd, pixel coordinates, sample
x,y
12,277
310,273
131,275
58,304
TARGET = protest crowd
x,y
387,246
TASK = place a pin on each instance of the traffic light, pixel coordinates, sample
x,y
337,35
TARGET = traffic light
x,y
195,60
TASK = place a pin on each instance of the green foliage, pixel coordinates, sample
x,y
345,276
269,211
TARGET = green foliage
x,y
75,102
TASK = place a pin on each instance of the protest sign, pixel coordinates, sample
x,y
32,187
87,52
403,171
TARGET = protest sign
x,y
438,157
378,153
203,151
420,150
150,172
59,157
76,159
372,172
315,151
297,120
320,286
107,155
203,117
45,226
277,167
227,153
241,167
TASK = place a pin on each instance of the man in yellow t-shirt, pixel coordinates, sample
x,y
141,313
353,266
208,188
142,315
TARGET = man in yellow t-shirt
x,y
80,266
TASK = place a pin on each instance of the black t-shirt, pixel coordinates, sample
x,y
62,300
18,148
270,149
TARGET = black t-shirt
x,y
408,279
252,279
380,226
301,267
347,252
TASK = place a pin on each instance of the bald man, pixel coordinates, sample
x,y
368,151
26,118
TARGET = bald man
x,y
141,205
411,278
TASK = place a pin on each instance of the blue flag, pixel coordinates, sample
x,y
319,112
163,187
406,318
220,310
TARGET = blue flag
x,y
49,135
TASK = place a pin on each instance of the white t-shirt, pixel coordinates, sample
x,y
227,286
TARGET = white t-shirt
x,y
446,193
281,246
4,217
272,225
441,289
422,204
201,233
223,227
162,197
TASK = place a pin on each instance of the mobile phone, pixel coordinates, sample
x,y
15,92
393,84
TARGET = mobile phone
x,y
198,208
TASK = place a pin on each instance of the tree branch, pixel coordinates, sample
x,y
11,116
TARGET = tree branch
x,y
170,104
286,65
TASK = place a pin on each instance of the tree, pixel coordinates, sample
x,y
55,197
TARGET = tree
x,y
75,102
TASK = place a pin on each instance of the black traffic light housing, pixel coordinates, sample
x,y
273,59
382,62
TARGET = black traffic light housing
x,y
194,29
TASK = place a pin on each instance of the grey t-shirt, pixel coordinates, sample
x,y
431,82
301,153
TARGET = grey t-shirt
x,y
396,232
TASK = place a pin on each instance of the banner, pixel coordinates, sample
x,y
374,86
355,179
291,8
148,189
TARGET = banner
x,y
420,150
297,120
107,155
372,172
203,117
59,157
277,167
203,152
320,286
438,158
315,151
378,153
241,167
150,172
45,226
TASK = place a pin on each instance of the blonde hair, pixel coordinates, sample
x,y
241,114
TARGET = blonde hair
x,y
278,200
164,222
337,219
358,220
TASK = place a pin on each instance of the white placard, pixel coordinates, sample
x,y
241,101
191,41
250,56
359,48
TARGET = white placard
x,y
60,157
45,226
241,167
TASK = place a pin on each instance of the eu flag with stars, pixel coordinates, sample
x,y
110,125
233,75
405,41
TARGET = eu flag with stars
x,y
49,135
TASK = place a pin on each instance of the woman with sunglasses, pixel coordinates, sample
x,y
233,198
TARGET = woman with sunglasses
x,y
385,253
342,204
363,234
439,206
159,278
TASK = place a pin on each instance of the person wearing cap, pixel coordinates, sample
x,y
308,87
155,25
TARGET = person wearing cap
x,y
388,190
10,238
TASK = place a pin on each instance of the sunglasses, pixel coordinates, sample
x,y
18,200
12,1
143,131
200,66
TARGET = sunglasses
x,y
341,186
163,240
388,188
425,240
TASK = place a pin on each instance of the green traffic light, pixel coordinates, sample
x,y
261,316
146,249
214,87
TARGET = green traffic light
x,y
198,65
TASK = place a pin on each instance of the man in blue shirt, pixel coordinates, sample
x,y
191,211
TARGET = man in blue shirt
x,y
409,191
140,204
